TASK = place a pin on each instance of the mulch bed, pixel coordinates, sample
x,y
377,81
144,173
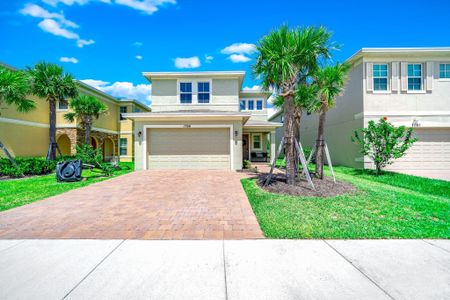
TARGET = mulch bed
x,y
324,188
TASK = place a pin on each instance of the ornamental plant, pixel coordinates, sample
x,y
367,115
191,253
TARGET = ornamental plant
x,y
382,142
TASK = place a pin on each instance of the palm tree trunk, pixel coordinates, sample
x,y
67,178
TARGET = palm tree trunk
x,y
87,133
289,124
52,130
298,115
320,143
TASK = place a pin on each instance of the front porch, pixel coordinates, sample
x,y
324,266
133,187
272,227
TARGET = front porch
x,y
258,141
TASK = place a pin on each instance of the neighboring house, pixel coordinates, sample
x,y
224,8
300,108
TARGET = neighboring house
x,y
409,86
202,120
126,139
26,134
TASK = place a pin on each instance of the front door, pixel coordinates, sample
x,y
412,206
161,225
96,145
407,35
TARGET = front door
x,y
245,145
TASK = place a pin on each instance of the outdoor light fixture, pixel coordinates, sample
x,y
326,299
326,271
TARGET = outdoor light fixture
x,y
139,133
235,133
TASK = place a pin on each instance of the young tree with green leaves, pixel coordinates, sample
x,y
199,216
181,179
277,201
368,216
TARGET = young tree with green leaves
x,y
14,87
86,109
49,81
382,142
286,58
330,82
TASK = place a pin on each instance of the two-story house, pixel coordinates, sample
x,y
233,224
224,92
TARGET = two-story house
x,y
26,134
202,120
409,86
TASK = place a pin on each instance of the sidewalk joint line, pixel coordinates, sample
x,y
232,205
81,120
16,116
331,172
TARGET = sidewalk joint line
x,y
93,269
434,245
360,271
225,270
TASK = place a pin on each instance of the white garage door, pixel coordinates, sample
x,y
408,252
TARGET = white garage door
x,y
188,148
430,152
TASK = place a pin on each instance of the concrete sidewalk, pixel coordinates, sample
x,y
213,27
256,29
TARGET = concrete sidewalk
x,y
245,269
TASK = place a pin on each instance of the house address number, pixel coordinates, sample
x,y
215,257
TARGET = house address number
x,y
187,126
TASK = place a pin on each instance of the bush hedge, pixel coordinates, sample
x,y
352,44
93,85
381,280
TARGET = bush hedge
x,y
27,166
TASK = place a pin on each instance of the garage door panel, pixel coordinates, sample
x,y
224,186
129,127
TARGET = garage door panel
x,y
188,148
430,152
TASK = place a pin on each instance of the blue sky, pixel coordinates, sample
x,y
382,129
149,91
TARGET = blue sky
x,y
110,42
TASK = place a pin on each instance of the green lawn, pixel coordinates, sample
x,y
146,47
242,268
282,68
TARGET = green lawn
x,y
17,192
388,206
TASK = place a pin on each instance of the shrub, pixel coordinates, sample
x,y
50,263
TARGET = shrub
x,y
26,166
382,142
247,164
94,157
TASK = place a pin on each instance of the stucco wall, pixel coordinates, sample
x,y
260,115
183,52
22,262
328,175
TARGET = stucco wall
x,y
342,120
224,95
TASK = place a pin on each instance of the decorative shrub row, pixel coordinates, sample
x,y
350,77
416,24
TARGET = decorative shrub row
x,y
27,166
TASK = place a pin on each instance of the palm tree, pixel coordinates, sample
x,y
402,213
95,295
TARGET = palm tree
x,y
330,81
14,87
86,109
49,81
286,58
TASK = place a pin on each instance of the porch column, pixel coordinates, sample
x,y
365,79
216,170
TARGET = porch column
x,y
273,146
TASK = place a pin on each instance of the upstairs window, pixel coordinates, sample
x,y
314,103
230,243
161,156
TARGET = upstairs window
x,y
444,71
242,105
259,105
414,77
123,109
250,105
203,92
186,92
63,104
380,77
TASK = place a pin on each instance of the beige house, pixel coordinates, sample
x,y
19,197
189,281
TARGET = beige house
x,y
26,134
202,120
409,86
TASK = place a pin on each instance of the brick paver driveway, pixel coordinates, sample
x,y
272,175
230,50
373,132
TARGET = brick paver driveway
x,y
178,204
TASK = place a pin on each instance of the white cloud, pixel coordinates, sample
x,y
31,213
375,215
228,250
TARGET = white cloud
x,y
146,6
239,48
37,11
55,23
123,89
139,57
252,88
68,59
81,43
187,63
238,58
208,58
72,2
138,44
53,27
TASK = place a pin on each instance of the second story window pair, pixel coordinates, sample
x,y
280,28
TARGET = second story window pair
x,y
250,105
187,92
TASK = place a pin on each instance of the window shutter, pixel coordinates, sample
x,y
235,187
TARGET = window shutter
x,y
404,75
369,76
429,79
394,72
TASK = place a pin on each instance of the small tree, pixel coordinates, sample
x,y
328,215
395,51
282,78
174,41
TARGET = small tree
x,y
86,109
49,81
383,142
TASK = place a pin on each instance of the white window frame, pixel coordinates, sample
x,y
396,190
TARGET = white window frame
x,y
422,81
388,82
198,93
260,141
248,104
121,147
62,109
245,104
194,83
443,78
262,104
